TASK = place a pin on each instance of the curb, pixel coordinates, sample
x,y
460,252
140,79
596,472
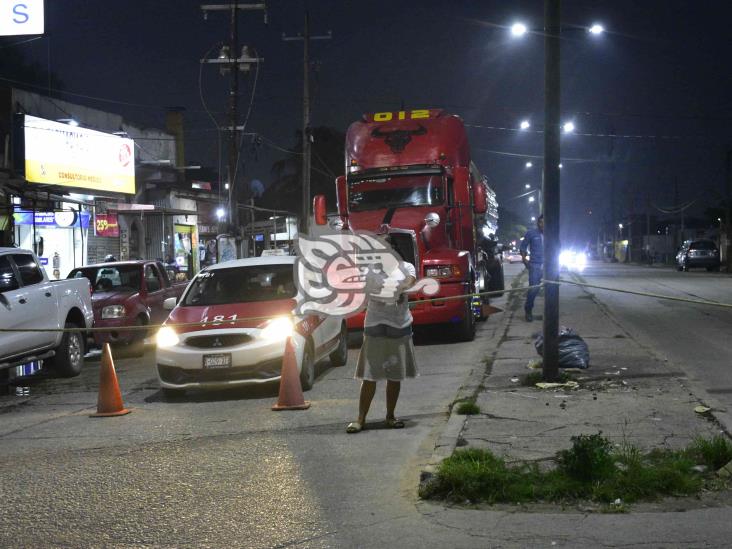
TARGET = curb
x,y
451,436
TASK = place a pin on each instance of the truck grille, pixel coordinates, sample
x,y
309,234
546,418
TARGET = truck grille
x,y
216,341
404,244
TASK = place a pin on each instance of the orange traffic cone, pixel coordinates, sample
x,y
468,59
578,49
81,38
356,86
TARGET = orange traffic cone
x,y
109,402
291,397
489,310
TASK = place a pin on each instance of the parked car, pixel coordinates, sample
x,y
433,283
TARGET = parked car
x,y
128,293
246,306
513,256
28,299
698,253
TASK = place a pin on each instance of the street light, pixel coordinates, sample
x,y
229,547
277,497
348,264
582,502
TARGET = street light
x,y
596,29
525,125
533,218
560,165
568,127
220,213
529,164
527,186
531,199
518,29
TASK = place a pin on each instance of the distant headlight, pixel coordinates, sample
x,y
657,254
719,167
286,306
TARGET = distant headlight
x,y
166,337
113,311
573,261
277,329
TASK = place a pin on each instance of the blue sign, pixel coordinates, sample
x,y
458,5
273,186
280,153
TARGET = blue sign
x,y
62,219
44,261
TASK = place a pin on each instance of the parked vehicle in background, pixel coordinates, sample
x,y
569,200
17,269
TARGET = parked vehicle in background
x,y
29,300
246,310
128,293
698,253
513,256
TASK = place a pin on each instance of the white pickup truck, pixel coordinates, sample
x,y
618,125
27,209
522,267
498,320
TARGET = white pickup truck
x,y
28,299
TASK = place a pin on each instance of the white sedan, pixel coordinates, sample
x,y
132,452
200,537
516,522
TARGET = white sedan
x,y
242,316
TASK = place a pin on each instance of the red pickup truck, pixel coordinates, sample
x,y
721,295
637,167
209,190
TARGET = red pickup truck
x,y
128,293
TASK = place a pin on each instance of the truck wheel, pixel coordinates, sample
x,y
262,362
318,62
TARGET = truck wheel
x,y
339,357
307,372
496,284
69,357
465,330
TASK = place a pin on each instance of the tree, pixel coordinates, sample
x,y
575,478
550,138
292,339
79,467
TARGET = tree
x,y
285,191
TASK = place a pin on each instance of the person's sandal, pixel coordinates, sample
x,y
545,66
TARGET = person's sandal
x,y
354,427
393,423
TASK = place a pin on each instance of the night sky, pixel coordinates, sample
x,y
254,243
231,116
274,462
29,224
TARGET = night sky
x,y
659,80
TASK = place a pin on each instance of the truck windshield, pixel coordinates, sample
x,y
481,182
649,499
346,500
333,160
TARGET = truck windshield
x,y
388,192
241,285
111,279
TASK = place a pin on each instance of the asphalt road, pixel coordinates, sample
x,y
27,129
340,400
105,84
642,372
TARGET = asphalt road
x,y
221,469
694,338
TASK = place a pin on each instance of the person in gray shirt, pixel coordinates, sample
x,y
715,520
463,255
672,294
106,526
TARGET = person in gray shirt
x,y
387,352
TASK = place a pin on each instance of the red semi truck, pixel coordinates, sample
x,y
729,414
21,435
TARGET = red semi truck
x,y
409,173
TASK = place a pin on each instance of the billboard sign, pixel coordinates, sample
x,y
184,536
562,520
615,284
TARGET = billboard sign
x,y
106,225
21,17
70,156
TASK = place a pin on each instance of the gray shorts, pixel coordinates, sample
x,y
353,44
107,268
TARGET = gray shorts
x,y
386,358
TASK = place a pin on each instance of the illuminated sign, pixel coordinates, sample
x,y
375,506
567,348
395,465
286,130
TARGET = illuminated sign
x,y
70,156
106,225
417,114
21,17
63,219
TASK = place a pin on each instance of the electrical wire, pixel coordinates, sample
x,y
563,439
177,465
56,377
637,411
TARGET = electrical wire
x,y
205,107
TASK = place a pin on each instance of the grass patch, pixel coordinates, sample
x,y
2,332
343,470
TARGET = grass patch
x,y
536,376
467,407
592,469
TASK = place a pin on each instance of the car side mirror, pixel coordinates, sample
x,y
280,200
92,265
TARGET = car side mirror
x,y
169,304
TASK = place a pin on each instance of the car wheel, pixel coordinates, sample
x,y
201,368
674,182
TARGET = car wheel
x,y
465,329
69,357
307,372
339,357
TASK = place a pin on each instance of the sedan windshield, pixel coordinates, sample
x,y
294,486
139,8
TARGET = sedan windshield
x,y
110,279
241,285
405,190
703,245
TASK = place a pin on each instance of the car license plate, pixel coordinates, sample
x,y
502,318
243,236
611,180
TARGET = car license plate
x,y
217,361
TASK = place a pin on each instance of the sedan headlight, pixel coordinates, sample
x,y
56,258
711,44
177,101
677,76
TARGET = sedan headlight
x,y
113,311
277,329
167,337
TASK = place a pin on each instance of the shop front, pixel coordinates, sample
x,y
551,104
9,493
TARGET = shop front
x,y
58,237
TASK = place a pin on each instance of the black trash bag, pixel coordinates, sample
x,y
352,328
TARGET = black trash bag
x,y
573,351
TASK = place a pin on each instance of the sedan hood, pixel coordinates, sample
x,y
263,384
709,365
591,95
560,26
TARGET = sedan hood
x,y
246,315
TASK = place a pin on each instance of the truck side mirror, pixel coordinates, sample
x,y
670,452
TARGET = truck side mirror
x,y
169,304
480,200
342,195
320,210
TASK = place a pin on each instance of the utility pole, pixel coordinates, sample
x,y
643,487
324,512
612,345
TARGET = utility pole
x,y
231,62
552,30
306,136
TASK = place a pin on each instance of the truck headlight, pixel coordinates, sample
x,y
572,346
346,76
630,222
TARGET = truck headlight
x,y
166,337
113,311
442,271
277,329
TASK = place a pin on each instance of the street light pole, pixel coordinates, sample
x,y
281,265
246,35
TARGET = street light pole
x,y
552,29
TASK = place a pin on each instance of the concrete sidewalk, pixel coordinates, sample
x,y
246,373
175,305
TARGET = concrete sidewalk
x,y
627,393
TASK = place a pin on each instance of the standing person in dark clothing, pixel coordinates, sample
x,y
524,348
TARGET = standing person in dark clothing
x,y
533,242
